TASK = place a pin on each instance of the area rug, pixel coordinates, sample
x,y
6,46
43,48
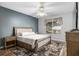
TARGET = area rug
x,y
52,49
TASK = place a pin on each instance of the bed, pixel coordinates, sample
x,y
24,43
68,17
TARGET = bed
x,y
26,38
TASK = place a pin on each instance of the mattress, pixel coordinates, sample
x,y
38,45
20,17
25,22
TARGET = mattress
x,y
30,39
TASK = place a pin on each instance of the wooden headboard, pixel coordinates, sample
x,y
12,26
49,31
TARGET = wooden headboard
x,y
19,30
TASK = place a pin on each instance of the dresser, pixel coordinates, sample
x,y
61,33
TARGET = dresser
x,y
72,40
10,41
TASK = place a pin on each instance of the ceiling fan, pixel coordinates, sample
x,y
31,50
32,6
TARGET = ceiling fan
x,y
41,10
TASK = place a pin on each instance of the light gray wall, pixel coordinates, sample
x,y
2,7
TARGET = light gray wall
x,y
10,18
78,19
68,22
41,26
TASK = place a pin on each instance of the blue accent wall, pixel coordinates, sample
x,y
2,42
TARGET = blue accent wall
x,y
10,19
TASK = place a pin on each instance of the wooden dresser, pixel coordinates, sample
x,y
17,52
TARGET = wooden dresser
x,y
72,40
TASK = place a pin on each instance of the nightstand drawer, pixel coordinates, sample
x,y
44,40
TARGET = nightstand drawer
x,y
10,38
10,42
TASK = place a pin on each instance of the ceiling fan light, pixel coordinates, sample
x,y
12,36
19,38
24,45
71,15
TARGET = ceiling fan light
x,y
41,14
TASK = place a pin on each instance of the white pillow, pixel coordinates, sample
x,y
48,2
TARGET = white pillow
x,y
27,33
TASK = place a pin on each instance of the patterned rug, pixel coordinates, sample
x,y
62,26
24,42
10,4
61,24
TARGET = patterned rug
x,y
52,49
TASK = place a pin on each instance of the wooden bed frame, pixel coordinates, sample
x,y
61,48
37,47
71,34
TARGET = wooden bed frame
x,y
19,30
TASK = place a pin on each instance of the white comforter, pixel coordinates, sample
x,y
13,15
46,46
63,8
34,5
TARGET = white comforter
x,y
30,39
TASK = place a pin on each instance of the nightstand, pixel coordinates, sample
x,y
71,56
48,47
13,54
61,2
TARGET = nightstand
x,y
10,41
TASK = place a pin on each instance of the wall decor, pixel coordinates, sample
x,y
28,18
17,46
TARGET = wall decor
x,y
54,25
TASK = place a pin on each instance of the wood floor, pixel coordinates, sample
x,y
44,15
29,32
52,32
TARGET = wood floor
x,y
6,52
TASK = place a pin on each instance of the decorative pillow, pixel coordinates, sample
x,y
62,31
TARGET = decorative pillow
x,y
27,33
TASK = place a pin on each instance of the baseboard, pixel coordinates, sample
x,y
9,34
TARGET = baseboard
x,y
1,47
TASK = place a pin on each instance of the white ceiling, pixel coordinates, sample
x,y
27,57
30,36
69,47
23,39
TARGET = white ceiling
x,y
31,8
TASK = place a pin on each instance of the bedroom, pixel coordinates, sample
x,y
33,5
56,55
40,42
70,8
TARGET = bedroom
x,y
35,28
